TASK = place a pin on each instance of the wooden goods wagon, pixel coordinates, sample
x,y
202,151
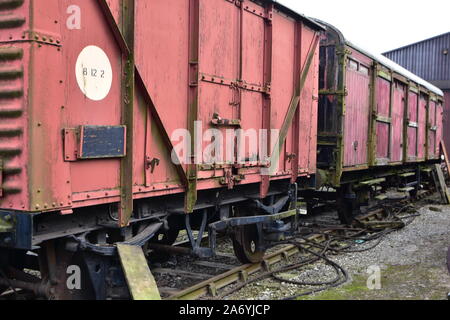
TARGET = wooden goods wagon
x,y
95,97
376,120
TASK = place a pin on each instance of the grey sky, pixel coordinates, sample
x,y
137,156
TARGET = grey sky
x,y
380,25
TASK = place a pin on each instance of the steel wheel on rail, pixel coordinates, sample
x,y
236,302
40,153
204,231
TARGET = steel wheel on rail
x,y
246,243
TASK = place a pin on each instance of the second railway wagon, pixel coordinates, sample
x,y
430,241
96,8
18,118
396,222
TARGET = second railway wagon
x,y
379,124
101,106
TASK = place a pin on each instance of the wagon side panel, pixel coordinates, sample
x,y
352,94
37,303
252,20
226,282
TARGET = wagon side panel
x,y
413,126
162,58
15,96
432,129
398,115
283,76
357,114
383,123
422,123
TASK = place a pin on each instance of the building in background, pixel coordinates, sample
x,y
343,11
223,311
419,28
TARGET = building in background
x,y
430,60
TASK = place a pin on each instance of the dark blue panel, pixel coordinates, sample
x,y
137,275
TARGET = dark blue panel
x,y
102,142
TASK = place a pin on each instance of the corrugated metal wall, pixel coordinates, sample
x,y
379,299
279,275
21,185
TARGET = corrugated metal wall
x,y
427,59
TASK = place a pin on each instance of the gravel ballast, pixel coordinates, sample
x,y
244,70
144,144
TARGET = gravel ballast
x,y
412,264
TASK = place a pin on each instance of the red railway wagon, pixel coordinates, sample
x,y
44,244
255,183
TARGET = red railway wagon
x,y
102,105
379,124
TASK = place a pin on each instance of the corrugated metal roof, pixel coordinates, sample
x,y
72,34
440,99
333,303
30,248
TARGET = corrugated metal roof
x,y
418,42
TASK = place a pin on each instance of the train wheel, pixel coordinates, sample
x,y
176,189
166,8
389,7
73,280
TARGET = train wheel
x,y
246,243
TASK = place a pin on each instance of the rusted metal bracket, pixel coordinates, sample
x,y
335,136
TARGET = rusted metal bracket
x,y
231,180
238,84
218,121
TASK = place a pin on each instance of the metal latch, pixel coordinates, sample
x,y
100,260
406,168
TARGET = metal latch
x,y
152,164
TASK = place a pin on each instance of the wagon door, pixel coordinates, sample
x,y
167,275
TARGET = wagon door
x,y
219,92
398,115
357,115
413,125
432,129
383,121
232,80
436,130
252,75
422,130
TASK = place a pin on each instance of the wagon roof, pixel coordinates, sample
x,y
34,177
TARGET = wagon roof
x,y
398,69
282,7
386,62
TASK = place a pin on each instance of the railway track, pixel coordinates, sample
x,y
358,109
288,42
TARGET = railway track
x,y
210,285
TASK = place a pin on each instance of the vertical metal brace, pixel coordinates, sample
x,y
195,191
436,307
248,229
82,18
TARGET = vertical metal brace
x,y
296,121
267,100
391,112
373,116
128,85
194,55
343,57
